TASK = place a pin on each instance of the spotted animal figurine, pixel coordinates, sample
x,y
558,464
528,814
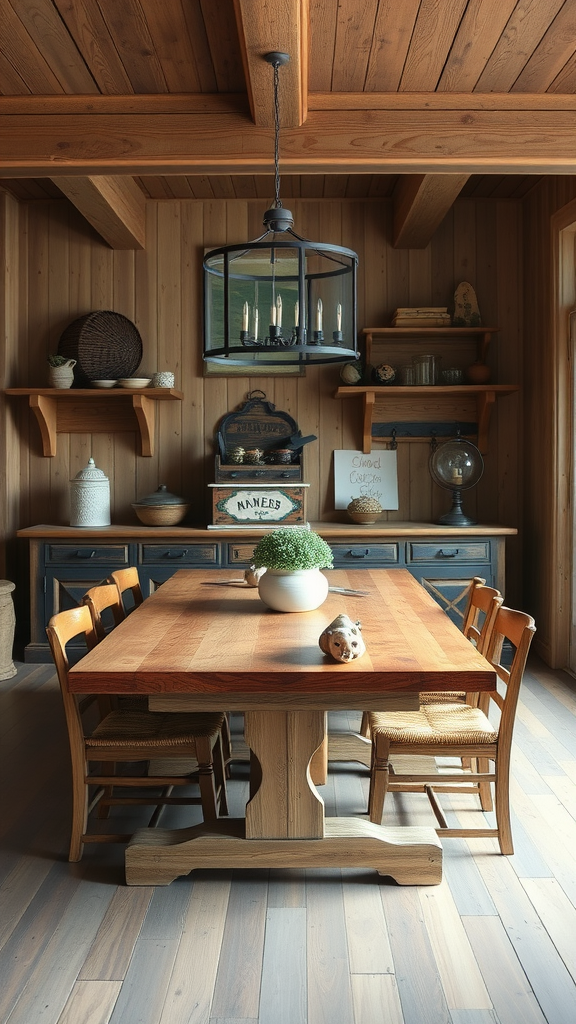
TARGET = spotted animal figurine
x,y
342,639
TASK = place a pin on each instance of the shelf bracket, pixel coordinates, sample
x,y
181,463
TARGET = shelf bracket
x,y
369,399
45,411
146,416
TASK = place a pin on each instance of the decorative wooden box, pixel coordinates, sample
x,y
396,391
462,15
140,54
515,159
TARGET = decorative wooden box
x,y
258,427
258,503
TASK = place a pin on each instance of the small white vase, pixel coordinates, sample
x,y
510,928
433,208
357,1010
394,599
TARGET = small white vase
x,y
298,590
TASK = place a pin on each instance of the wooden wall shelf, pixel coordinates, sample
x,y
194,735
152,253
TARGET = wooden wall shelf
x,y
484,396
481,335
96,411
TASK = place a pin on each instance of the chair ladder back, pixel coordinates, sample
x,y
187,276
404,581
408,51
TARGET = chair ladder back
x,y
62,628
100,599
481,614
519,628
128,579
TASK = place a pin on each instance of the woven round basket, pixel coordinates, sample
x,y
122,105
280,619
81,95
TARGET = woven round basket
x,y
105,345
160,515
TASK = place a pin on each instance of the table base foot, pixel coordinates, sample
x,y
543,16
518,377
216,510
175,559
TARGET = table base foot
x,y
411,856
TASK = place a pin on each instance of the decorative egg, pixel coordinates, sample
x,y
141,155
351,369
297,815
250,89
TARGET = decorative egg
x,y
351,373
384,374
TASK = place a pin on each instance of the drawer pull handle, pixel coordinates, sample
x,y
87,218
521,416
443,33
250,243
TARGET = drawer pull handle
x,y
259,472
285,476
233,475
448,554
358,554
176,554
85,554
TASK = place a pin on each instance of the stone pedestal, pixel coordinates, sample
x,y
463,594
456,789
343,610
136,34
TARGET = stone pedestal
x,y
7,626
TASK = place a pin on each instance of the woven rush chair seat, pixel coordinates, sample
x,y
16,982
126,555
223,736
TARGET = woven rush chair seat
x,y
461,731
144,729
129,737
435,724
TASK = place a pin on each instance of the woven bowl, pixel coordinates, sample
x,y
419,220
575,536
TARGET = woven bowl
x,y
160,515
363,518
104,344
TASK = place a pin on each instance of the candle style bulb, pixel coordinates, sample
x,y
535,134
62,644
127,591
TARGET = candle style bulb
x,y
296,312
245,313
256,323
279,311
319,315
273,316
339,317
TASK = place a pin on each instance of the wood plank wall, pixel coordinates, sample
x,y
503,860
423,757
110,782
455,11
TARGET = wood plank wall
x,y
65,271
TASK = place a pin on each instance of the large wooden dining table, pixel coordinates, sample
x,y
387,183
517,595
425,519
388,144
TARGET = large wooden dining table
x,y
197,645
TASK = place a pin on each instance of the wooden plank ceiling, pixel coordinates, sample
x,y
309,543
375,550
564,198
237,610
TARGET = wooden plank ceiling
x,y
114,101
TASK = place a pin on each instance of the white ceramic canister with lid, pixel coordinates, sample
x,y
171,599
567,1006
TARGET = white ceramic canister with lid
x,y
90,497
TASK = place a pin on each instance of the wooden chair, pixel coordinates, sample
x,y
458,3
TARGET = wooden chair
x,y
104,598
128,580
123,736
458,730
479,617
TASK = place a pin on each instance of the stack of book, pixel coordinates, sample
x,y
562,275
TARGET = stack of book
x,y
421,316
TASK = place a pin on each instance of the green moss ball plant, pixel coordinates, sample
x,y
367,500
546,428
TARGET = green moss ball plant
x,y
291,549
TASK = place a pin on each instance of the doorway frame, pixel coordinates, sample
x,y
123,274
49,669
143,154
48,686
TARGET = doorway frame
x,y
563,589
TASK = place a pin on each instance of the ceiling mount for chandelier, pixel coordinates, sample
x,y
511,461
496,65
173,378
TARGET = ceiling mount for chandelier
x,y
279,299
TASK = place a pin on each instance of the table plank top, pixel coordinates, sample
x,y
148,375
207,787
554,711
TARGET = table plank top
x,y
194,636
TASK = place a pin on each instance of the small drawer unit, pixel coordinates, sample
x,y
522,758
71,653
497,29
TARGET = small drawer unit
x,y
449,551
175,555
373,555
240,554
80,554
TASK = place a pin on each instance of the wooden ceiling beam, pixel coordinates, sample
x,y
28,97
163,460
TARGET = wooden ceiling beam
x,y
421,201
115,207
264,28
500,139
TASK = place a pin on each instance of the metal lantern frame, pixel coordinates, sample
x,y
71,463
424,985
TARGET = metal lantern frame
x,y
228,337
300,343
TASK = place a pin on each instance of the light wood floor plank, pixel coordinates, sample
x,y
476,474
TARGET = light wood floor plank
x,y
283,996
237,987
90,1002
461,978
417,976
510,992
368,942
191,986
329,987
375,998
558,915
551,982
144,989
111,951
49,984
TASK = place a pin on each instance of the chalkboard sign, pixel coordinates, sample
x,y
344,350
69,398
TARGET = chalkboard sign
x,y
370,475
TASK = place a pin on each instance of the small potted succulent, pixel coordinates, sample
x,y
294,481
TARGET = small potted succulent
x,y
293,558
60,371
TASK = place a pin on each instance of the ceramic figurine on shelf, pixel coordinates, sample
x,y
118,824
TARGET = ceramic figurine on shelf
x,y
342,639
466,312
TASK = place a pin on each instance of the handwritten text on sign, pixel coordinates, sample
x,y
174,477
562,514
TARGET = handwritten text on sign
x,y
359,475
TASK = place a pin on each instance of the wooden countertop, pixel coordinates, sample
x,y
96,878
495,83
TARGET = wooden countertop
x,y
330,531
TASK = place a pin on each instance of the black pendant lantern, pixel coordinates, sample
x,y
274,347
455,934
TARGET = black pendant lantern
x,y
279,299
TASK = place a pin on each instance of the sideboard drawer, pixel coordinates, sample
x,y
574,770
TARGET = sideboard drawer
x,y
179,554
79,554
346,555
240,554
453,551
